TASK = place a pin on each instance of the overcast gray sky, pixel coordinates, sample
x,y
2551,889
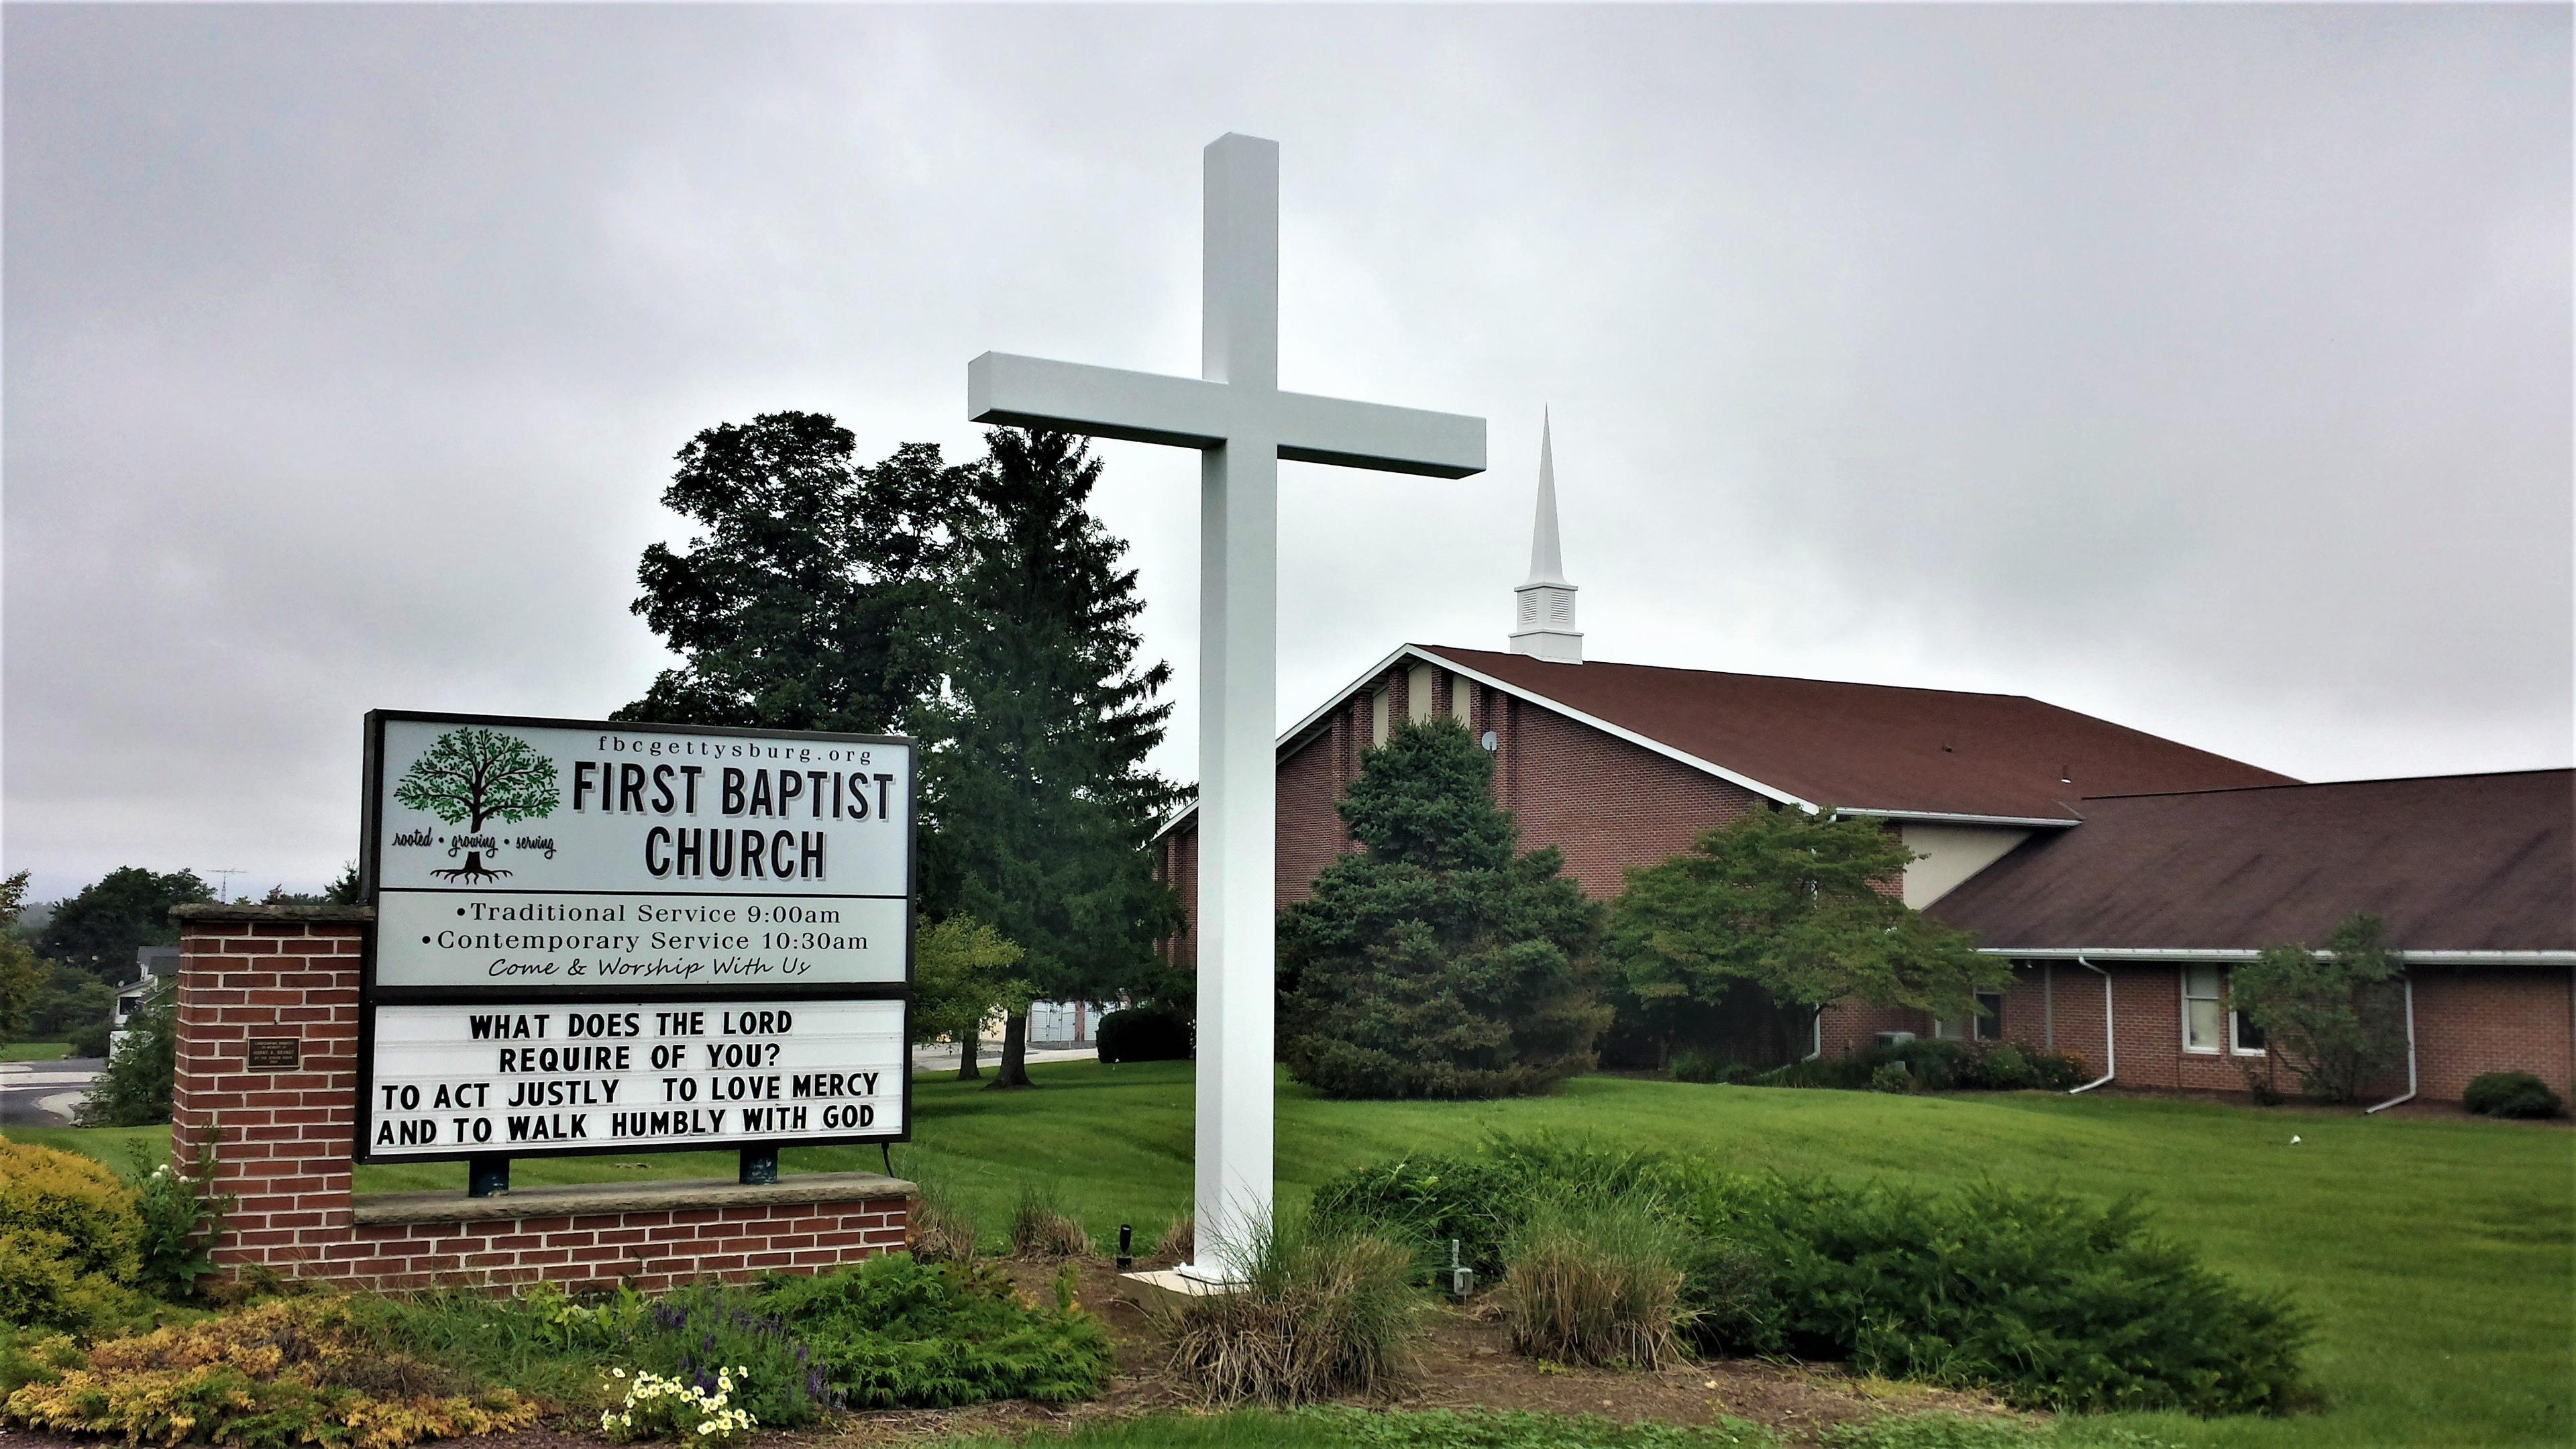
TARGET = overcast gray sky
x,y
2203,368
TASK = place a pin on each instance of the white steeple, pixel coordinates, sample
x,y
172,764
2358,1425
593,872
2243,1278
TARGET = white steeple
x,y
1544,624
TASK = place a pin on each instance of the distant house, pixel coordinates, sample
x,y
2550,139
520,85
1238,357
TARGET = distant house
x,y
155,967
2099,858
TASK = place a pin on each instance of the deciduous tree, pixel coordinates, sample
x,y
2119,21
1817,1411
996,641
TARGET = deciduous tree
x,y
100,928
964,973
2335,1017
1792,903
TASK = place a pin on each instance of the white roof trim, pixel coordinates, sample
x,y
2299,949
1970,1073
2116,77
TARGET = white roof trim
x,y
2238,953
1707,767
1644,742
1943,817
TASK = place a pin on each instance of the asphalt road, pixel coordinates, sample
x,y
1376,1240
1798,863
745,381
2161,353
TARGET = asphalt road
x,y
44,1094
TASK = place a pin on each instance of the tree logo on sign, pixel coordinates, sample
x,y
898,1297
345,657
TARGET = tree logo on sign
x,y
472,776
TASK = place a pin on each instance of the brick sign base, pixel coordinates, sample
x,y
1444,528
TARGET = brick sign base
x,y
253,978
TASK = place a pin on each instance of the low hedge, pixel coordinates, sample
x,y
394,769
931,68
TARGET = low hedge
x,y
2511,1094
2040,1297
1144,1034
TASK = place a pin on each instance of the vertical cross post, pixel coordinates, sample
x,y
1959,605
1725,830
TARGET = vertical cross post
x,y
1239,693
1242,425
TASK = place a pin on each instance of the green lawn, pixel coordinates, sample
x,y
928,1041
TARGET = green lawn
x,y
34,1051
2437,1256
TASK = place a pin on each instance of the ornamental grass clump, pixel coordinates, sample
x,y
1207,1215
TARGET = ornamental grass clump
x,y
1601,1285
1043,1231
1318,1315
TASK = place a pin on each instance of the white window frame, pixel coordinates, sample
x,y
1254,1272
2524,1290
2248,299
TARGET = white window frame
x,y
2232,1020
1972,1029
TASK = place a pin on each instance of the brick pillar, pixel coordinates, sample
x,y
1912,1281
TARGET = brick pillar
x,y
271,973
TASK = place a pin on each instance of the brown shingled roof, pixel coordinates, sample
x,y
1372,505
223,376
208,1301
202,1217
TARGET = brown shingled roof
x,y
2451,863
1874,747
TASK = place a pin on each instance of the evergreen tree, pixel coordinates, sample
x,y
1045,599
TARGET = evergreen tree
x,y
813,595
1037,783
1791,903
1439,962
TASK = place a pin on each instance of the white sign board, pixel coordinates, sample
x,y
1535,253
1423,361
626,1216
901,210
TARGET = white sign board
x,y
616,1076
515,854
604,937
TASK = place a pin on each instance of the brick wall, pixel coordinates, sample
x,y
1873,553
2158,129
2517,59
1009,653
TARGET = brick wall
x,y
1606,803
284,1140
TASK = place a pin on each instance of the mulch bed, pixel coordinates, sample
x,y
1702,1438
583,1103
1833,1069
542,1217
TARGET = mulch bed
x,y
1464,1361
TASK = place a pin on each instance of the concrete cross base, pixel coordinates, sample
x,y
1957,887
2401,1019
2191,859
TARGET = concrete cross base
x,y
1173,1286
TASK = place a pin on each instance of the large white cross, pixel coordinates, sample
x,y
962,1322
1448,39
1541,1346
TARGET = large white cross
x,y
1242,425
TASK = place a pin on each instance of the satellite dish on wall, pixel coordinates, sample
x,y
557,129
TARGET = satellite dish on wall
x,y
1489,742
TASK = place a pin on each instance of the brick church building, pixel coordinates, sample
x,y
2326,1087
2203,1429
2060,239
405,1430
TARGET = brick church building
x,y
2120,872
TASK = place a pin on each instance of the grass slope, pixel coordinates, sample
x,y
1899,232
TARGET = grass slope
x,y
2437,1256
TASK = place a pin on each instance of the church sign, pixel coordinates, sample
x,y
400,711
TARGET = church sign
x,y
605,937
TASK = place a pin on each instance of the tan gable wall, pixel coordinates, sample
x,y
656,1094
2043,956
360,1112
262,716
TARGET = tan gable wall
x,y
1951,854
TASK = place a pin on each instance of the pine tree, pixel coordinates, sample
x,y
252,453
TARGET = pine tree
x,y
1038,783
1440,962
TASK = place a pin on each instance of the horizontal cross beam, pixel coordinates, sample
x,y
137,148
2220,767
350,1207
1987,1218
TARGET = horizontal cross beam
x,y
1186,412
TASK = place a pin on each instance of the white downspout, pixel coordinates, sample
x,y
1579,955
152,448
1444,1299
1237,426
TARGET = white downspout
x,y
2110,1033
1820,1036
2409,1095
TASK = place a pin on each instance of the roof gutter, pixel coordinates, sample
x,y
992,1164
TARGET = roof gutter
x,y
1944,817
2409,1094
2181,953
2110,1033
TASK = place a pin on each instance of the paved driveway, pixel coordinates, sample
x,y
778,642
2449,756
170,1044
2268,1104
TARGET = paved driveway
x,y
45,1094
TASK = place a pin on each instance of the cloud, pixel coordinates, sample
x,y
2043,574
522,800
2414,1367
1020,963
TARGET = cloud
x,y
2206,368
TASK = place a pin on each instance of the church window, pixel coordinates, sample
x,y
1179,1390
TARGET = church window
x,y
1417,692
2207,1024
1986,1027
1462,699
1377,717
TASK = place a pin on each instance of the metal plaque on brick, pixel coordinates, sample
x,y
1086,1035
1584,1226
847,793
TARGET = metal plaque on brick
x,y
554,872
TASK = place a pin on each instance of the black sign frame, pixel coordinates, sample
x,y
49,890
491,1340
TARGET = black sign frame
x,y
370,996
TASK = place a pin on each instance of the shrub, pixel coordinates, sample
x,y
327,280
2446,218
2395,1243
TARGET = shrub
x,y
1599,1286
695,1335
1936,1066
1144,1034
70,1244
178,1217
1320,1314
1043,1230
2039,1297
28,1355
1478,1198
291,1372
891,1332
1707,1066
134,1090
1892,1077
2511,1094
2047,1301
